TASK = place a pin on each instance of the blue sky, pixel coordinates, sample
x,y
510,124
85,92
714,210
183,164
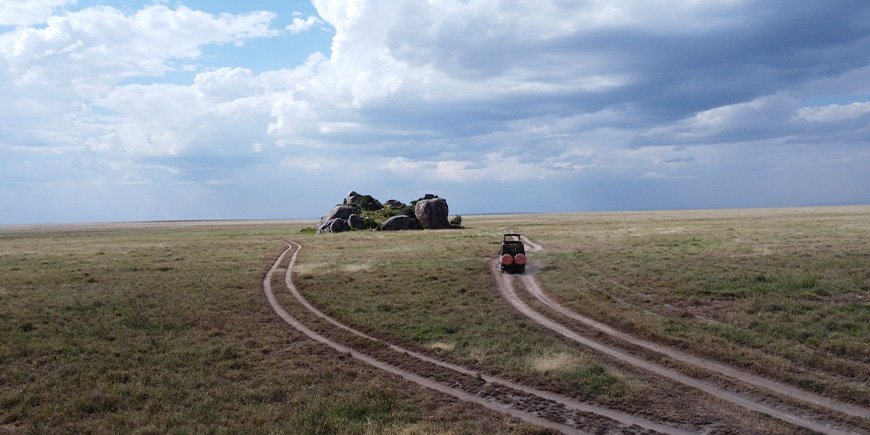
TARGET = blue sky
x,y
144,110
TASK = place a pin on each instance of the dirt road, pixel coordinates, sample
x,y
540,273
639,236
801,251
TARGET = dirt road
x,y
819,423
535,290
529,404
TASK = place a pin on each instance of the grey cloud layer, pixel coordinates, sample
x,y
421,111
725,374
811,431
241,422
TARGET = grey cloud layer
x,y
454,90
460,71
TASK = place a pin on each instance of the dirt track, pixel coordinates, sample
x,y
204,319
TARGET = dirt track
x,y
526,403
535,290
791,416
529,404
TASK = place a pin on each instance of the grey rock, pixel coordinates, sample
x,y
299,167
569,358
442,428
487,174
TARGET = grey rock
x,y
429,196
352,198
356,222
399,223
365,202
393,204
432,213
334,226
339,212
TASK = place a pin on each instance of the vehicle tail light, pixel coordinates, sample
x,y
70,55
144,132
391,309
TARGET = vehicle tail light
x,y
507,260
520,259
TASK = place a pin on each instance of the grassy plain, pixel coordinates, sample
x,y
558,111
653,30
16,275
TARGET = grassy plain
x,y
785,293
166,328
433,289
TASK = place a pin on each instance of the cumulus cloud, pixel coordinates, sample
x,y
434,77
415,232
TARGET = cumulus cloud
x,y
60,80
24,13
299,25
418,72
454,91
834,112
100,45
493,167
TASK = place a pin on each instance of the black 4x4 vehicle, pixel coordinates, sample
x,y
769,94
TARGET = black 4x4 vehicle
x,y
512,255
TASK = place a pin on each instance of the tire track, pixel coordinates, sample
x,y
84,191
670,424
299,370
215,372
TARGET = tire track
x,y
535,289
505,284
621,417
389,368
630,423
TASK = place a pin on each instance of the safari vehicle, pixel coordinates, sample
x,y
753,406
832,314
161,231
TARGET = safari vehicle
x,y
512,255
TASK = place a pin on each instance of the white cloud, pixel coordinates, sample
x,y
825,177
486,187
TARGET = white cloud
x,y
769,115
309,164
222,113
24,13
834,112
227,83
451,90
95,47
60,81
494,166
298,25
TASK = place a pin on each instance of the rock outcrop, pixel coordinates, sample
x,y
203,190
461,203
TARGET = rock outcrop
x,y
399,223
364,202
432,213
340,212
356,222
352,198
360,212
393,204
334,226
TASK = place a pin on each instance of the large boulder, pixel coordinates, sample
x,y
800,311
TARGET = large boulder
x,y
364,202
334,226
356,222
339,212
399,223
352,198
432,213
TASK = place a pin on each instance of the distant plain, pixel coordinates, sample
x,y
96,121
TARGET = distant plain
x,y
164,326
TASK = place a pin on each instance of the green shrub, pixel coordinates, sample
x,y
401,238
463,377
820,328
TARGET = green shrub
x,y
456,221
369,222
369,203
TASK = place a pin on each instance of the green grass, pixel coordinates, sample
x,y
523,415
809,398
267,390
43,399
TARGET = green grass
x,y
784,292
167,329
433,289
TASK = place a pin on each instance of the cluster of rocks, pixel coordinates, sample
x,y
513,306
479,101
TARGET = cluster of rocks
x,y
429,212
340,219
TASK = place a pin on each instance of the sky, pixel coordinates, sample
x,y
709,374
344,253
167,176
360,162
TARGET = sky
x,y
274,109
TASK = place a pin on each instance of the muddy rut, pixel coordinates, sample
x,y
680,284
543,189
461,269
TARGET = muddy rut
x,y
820,423
526,403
